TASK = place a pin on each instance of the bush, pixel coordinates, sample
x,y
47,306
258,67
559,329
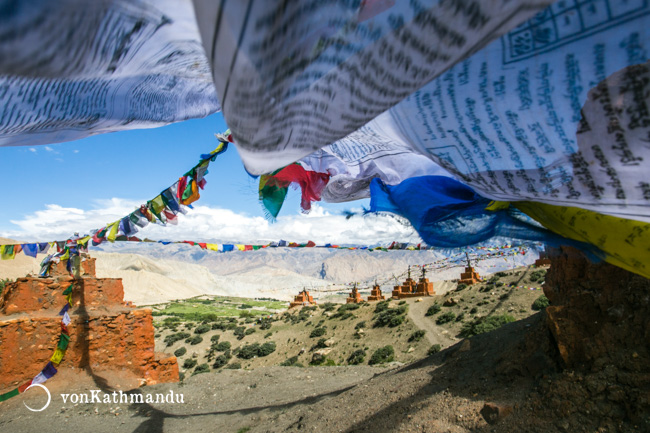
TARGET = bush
x,y
249,331
434,309
381,306
173,338
189,363
290,362
222,346
460,317
215,338
320,344
194,340
245,314
328,306
541,303
240,332
401,302
485,324
344,311
537,275
317,332
180,352
202,329
234,366
203,368
220,361
445,318
266,349
382,355
265,324
501,274
245,306
434,349
360,325
474,310
248,351
417,335
391,317
357,357
461,286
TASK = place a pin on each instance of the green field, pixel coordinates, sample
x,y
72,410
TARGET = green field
x,y
199,308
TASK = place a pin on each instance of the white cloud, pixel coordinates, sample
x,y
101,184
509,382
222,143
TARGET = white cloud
x,y
210,224
32,149
49,149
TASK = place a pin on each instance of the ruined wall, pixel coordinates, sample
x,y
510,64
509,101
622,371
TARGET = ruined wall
x,y
105,334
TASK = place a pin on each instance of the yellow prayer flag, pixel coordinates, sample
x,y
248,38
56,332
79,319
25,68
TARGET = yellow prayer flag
x,y
57,357
240,247
212,247
112,232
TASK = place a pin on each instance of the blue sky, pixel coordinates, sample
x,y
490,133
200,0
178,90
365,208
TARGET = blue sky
x,y
80,185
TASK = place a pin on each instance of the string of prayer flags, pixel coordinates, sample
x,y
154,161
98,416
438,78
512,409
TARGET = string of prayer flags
x,y
59,352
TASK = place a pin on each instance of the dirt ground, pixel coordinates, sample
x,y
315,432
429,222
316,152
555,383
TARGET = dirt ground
x,y
514,370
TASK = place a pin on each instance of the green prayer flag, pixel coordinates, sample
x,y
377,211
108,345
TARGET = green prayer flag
x,y
8,395
68,290
63,342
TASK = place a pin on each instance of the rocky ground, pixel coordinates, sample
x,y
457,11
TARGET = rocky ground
x,y
554,371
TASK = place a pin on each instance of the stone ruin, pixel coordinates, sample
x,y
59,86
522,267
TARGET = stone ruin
x,y
543,260
411,289
375,294
302,299
106,335
355,296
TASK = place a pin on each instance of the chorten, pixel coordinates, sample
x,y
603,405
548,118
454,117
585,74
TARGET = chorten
x,y
303,299
355,296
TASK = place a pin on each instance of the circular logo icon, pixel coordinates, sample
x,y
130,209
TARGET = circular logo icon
x,y
49,397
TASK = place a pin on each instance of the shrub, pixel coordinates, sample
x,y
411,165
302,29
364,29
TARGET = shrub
x,y
234,366
194,340
461,286
357,357
180,352
220,361
173,338
382,355
381,306
265,324
215,338
240,332
501,274
537,275
445,318
268,334
244,314
417,335
189,363
460,317
391,317
434,349
248,351
360,325
493,279
328,306
203,368
541,303
222,346
266,349
317,332
202,329
320,344
401,303
434,309
249,331
289,362
244,306
474,310
485,324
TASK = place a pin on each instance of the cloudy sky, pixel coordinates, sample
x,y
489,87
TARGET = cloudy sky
x,y
62,188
